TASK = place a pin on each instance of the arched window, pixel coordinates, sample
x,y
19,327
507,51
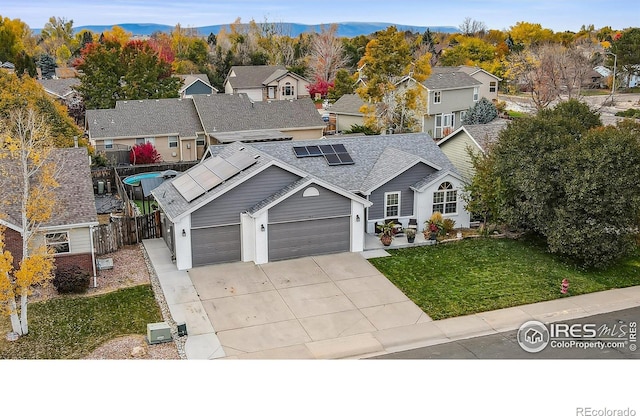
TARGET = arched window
x,y
288,90
310,191
445,199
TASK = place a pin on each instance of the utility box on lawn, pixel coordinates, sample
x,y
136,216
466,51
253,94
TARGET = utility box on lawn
x,y
158,332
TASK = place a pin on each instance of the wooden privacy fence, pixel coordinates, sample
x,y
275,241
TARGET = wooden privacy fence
x,y
122,231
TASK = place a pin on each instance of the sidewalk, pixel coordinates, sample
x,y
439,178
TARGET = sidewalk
x,y
203,343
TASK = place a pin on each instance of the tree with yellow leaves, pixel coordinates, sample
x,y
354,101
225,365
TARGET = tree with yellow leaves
x,y
31,178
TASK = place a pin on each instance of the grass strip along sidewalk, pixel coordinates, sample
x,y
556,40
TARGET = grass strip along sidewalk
x,y
482,274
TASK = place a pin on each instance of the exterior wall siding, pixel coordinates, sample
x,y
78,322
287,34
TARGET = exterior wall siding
x,y
452,100
455,149
80,239
298,207
309,134
401,184
198,88
345,121
227,208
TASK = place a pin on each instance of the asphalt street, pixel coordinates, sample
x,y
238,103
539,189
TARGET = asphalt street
x,y
619,325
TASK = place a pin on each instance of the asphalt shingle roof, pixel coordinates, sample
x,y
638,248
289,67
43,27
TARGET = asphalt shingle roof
x,y
236,112
74,200
145,118
347,104
254,76
375,157
60,87
449,80
486,134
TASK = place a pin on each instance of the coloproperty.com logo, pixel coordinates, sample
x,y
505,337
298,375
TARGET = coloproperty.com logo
x,y
535,336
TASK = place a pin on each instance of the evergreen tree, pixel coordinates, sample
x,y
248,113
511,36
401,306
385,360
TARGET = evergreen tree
x,y
482,112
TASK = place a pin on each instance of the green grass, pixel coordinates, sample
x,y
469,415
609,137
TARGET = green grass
x,y
71,328
477,275
515,114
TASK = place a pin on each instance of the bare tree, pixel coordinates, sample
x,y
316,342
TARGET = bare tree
x,y
327,54
470,27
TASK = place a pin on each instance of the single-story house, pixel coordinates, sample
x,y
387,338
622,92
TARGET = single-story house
x,y
69,230
182,128
474,137
266,83
268,201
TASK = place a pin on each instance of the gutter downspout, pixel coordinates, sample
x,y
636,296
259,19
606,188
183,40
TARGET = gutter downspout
x,y
93,258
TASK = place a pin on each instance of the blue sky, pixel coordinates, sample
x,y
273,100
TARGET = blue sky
x,y
558,15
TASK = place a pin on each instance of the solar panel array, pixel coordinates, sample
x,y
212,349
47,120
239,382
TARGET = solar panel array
x,y
334,154
211,173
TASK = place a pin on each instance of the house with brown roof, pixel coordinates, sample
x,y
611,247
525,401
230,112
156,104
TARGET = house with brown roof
x,y
69,230
266,83
181,129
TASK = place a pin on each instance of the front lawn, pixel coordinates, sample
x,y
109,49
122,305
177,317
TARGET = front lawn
x,y
482,274
72,327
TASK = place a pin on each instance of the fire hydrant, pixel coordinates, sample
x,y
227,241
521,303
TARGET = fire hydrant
x,y
565,286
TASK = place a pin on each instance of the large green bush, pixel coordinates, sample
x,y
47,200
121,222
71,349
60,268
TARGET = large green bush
x,y
577,184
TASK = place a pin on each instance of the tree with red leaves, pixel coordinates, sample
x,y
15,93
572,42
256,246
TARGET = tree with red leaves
x,y
143,154
319,86
133,71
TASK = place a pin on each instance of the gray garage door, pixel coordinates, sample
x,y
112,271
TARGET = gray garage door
x,y
307,238
215,245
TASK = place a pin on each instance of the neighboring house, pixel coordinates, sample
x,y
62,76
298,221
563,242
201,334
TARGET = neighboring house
x,y
266,82
345,112
181,129
63,89
69,230
474,137
625,79
449,96
172,125
263,202
490,82
195,84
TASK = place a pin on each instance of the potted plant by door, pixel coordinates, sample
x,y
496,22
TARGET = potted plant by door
x,y
411,234
386,233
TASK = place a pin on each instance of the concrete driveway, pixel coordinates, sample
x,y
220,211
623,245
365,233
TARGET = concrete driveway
x,y
315,307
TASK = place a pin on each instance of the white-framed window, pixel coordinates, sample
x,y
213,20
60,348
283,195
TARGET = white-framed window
x,y
288,90
462,114
445,199
139,140
437,97
173,141
444,125
151,140
108,143
200,141
476,93
58,242
391,204
493,86
271,93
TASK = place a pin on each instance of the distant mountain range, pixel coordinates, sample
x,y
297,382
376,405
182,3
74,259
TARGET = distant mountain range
x,y
346,29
